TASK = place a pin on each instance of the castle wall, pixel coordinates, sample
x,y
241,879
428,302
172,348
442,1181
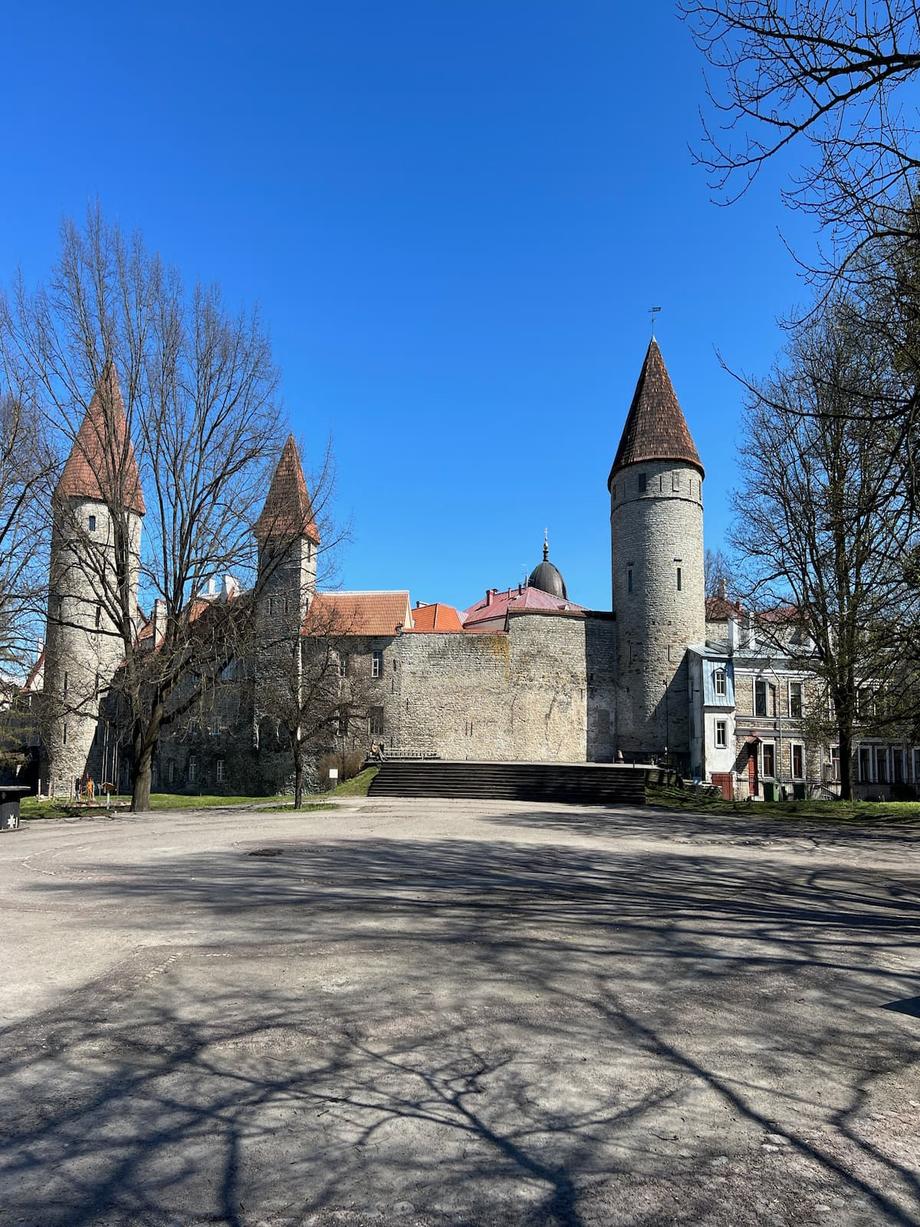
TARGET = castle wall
x,y
519,695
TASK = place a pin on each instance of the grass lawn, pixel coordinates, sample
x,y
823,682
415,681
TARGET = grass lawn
x,y
822,811
45,807
357,786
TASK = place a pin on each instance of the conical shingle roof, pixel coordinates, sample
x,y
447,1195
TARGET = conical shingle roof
x,y
656,428
288,512
101,464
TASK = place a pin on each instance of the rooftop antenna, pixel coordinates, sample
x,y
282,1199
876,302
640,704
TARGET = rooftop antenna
x,y
652,313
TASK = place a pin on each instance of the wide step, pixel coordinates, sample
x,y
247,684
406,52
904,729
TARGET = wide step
x,y
586,784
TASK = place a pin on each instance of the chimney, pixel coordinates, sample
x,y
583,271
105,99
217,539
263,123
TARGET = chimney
x,y
488,597
751,635
158,618
734,635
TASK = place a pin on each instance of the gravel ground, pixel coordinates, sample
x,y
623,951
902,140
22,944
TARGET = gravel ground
x,y
420,1012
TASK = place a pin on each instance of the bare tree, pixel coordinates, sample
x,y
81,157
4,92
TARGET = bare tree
x,y
718,575
310,696
190,386
826,74
27,465
826,526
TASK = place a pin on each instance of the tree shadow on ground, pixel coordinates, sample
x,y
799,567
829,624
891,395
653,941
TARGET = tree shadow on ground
x,y
483,1031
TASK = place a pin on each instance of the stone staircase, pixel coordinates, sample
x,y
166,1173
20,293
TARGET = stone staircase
x,y
583,783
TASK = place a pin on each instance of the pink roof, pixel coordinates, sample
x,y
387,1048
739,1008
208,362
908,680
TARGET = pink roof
x,y
518,600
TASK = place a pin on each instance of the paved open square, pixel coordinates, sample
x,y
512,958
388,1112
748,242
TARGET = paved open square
x,y
457,1012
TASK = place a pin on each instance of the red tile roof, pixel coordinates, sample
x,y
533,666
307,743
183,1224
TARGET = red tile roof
x,y
436,617
288,511
517,600
720,609
358,613
656,428
101,464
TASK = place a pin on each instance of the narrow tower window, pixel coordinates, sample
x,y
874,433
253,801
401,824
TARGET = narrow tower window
x,y
679,579
675,481
643,482
92,524
376,663
629,579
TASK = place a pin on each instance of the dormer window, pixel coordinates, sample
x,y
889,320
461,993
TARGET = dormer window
x,y
719,679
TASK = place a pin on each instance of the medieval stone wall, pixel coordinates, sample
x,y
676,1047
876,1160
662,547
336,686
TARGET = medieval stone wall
x,y
517,695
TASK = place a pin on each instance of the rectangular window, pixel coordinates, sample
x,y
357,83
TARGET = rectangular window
x,y
675,482
629,579
897,763
64,738
92,524
721,734
835,762
917,766
760,697
66,682
720,683
865,765
343,723
171,772
881,764
798,762
343,666
192,769
219,771
375,721
376,663
769,759
795,699
643,483
679,579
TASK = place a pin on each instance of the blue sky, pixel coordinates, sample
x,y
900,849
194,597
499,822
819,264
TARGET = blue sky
x,y
453,216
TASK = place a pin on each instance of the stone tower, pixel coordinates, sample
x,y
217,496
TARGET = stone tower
x,y
656,530
288,539
98,496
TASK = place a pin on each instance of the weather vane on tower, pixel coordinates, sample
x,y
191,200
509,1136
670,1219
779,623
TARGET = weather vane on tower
x,y
652,313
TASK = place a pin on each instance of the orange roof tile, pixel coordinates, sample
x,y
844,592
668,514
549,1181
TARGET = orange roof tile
x,y
358,613
101,464
288,511
436,617
656,428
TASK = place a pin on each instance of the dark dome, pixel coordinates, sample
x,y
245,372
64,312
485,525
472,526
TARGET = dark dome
x,y
548,578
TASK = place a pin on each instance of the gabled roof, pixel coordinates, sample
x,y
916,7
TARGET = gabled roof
x,y
288,511
720,609
436,617
101,464
655,428
358,613
516,600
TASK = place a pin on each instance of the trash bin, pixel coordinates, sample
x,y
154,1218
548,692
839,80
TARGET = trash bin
x,y
10,795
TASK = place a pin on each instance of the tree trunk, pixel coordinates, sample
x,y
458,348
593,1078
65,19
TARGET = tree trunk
x,y
143,771
298,779
845,739
144,743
